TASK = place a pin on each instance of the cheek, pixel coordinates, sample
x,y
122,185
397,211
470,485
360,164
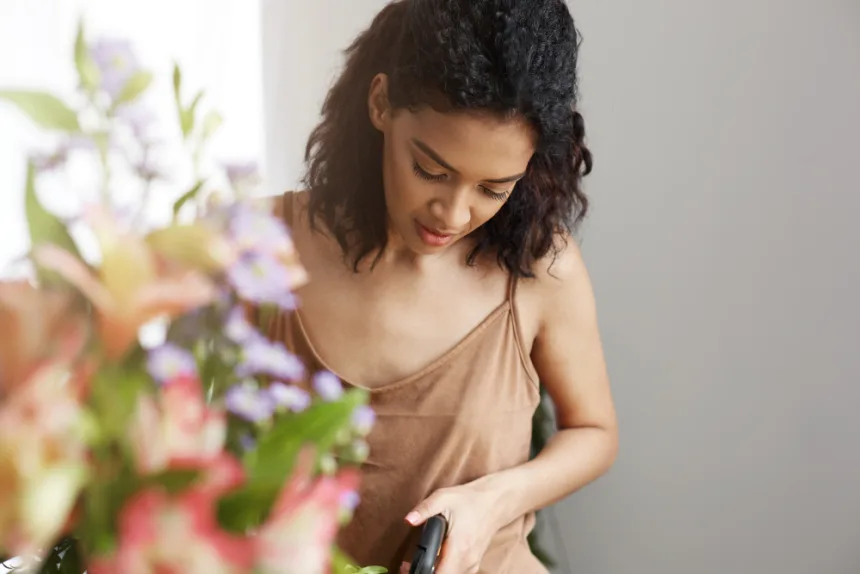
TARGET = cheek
x,y
485,211
403,191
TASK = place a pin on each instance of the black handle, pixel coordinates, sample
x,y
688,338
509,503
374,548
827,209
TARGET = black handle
x,y
429,546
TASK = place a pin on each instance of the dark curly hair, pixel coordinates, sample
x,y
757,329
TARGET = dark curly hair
x,y
508,57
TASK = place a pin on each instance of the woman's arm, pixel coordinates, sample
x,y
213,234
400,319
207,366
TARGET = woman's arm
x,y
568,356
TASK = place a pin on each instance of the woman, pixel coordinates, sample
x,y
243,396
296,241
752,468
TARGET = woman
x,y
443,184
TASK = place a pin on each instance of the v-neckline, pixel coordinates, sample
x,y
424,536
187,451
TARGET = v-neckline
x,y
434,364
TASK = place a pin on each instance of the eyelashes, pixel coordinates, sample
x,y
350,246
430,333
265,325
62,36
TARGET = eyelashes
x,y
495,194
421,173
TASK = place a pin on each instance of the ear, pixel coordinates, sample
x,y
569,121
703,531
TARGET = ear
x,y
378,105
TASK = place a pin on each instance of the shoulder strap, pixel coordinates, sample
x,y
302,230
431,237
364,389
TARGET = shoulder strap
x,y
512,287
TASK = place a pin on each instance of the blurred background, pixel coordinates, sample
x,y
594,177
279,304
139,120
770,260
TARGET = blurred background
x,y
723,243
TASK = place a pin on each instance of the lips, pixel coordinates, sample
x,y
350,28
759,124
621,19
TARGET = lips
x,y
433,237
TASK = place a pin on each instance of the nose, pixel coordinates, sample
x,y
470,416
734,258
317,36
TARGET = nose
x,y
453,211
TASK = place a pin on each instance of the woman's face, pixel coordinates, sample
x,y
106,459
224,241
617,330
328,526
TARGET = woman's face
x,y
446,174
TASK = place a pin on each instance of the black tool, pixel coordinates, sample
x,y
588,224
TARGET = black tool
x,y
429,546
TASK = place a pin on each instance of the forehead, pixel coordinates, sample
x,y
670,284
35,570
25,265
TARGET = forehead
x,y
472,142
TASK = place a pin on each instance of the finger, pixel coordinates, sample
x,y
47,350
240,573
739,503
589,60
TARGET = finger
x,y
404,568
431,506
449,561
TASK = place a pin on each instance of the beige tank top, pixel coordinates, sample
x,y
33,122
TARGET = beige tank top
x,y
465,415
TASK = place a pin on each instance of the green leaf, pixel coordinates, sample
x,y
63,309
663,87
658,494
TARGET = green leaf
x,y
186,197
133,88
177,96
187,117
270,464
177,83
45,227
272,461
88,73
343,564
265,314
101,139
211,122
115,395
173,481
44,109
191,245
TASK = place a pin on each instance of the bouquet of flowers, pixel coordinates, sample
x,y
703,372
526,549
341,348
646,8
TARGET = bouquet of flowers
x,y
148,423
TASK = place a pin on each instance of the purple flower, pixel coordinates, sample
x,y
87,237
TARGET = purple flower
x,y
147,170
287,301
80,142
238,329
247,442
289,397
116,62
254,229
261,278
239,173
169,362
362,419
265,357
328,386
138,117
43,162
349,500
249,403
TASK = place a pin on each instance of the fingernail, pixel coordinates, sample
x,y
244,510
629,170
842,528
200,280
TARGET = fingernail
x,y
413,518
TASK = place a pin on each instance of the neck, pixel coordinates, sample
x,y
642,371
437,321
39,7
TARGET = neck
x,y
397,255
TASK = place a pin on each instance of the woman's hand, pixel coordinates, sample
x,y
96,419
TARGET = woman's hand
x,y
473,519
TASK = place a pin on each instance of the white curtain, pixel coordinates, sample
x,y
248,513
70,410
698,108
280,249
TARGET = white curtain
x,y
216,42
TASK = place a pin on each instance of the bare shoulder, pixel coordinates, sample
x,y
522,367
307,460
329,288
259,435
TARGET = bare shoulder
x,y
560,291
562,269
567,352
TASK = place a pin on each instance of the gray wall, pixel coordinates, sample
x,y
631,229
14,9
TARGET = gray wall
x,y
723,249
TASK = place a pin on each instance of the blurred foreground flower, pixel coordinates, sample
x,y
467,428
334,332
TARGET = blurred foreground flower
x,y
170,362
131,288
146,425
298,536
43,461
116,63
267,267
177,429
36,325
161,534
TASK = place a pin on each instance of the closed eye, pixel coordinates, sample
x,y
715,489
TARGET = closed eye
x,y
439,177
426,175
498,196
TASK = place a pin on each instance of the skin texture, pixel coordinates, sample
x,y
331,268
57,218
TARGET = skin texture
x,y
390,322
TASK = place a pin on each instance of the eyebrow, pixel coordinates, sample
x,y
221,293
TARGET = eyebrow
x,y
438,159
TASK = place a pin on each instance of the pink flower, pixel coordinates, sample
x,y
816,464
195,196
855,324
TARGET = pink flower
x,y
298,537
42,459
159,534
177,429
37,325
221,475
